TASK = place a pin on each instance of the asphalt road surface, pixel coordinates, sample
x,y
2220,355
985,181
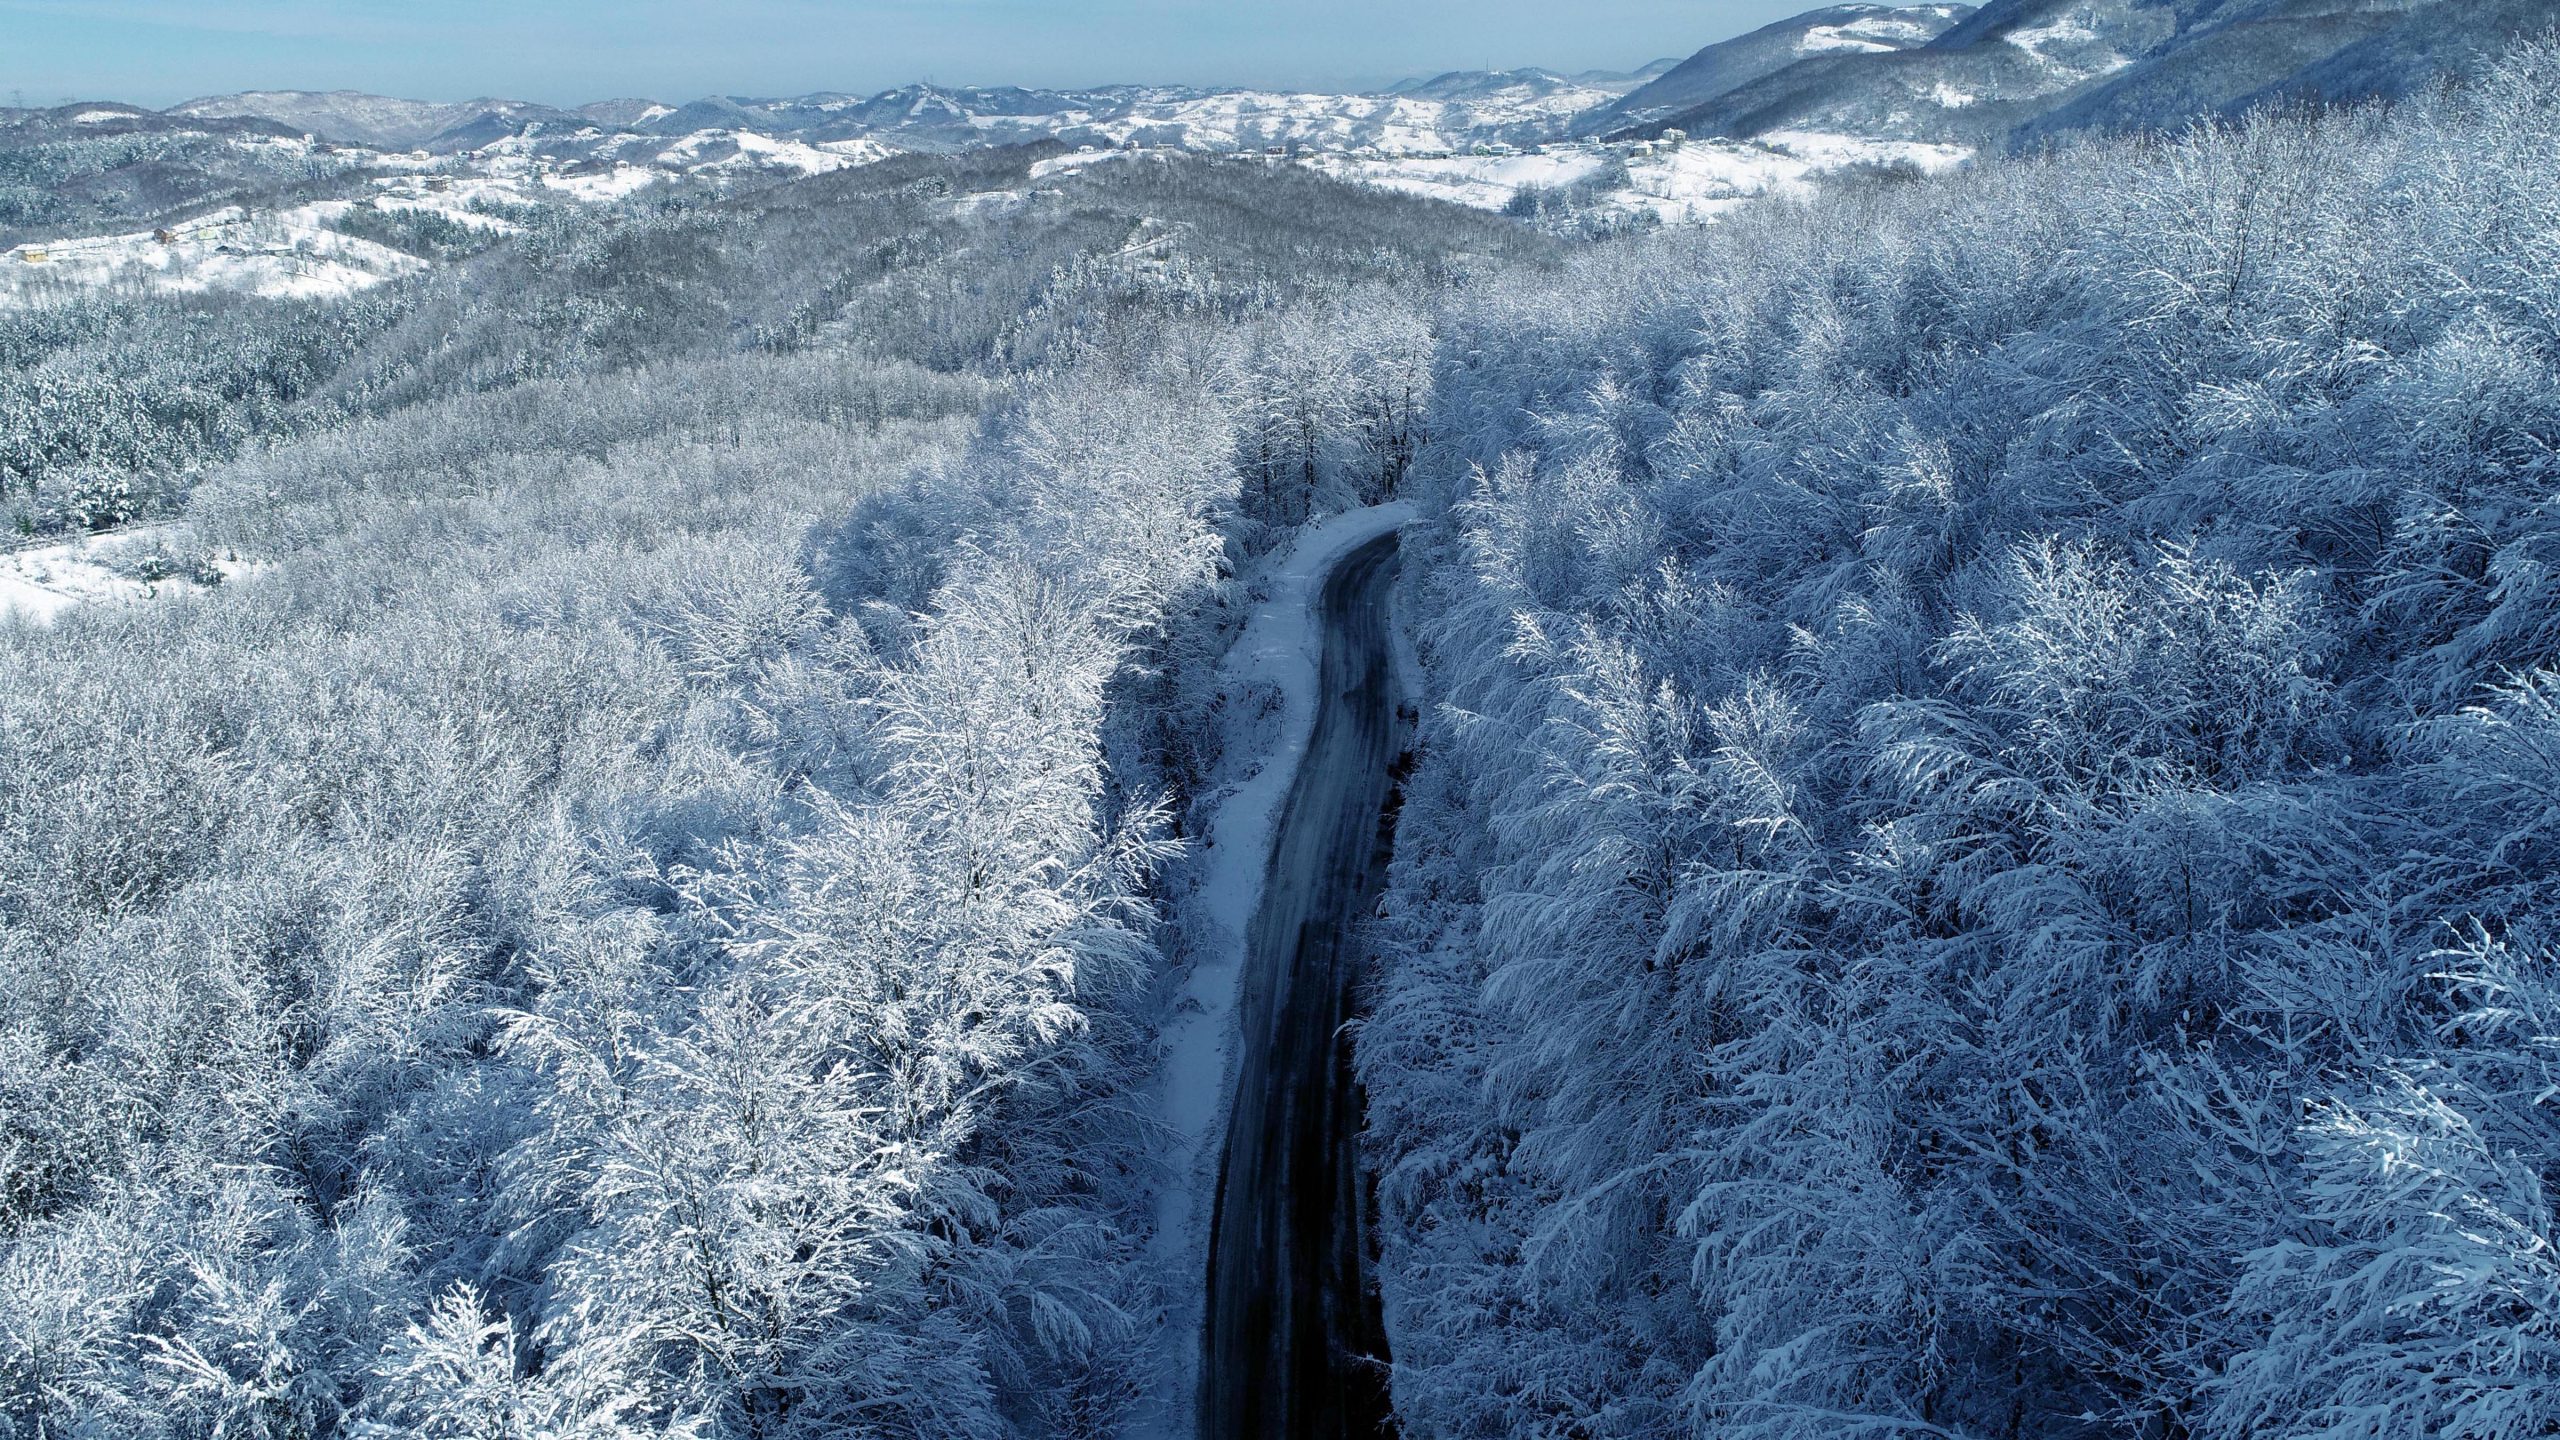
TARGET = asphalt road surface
x,y
1295,1345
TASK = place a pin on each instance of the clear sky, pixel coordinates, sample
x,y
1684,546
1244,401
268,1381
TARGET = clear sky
x,y
157,52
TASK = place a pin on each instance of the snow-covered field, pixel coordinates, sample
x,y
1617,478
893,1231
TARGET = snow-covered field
x,y
38,584
603,186
286,254
2070,48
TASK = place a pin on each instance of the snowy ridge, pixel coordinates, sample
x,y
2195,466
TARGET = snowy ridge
x,y
1273,661
1727,65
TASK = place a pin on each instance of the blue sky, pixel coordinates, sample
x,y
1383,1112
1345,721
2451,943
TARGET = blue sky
x,y
158,52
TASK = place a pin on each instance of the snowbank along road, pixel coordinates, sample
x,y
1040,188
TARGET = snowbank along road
x,y
1295,1346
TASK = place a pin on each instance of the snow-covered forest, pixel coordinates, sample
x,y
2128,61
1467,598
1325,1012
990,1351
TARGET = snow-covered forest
x,y
1982,860
1987,780
641,918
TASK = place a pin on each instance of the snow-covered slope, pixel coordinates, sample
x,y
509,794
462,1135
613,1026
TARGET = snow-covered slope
x,y
2327,50
38,582
1983,76
1729,64
301,251
2022,70
289,254
1973,95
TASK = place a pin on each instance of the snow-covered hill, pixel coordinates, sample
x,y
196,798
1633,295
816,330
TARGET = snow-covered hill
x,y
1443,113
305,251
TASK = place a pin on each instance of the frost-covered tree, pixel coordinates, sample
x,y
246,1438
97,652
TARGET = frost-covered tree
x,y
1965,716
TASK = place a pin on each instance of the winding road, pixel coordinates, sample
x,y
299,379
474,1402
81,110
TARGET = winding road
x,y
1296,1349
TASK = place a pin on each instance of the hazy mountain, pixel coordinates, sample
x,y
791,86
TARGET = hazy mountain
x,y
358,118
630,111
1482,84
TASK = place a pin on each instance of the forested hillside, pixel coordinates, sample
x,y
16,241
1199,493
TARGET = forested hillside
x,y
639,918
1981,860
111,405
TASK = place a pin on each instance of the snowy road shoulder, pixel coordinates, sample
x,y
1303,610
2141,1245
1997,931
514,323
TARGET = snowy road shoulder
x,y
1277,652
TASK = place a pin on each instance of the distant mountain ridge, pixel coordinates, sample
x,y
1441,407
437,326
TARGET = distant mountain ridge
x,y
1451,109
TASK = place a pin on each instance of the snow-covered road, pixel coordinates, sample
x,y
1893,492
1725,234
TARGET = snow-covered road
x,y
1294,1344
